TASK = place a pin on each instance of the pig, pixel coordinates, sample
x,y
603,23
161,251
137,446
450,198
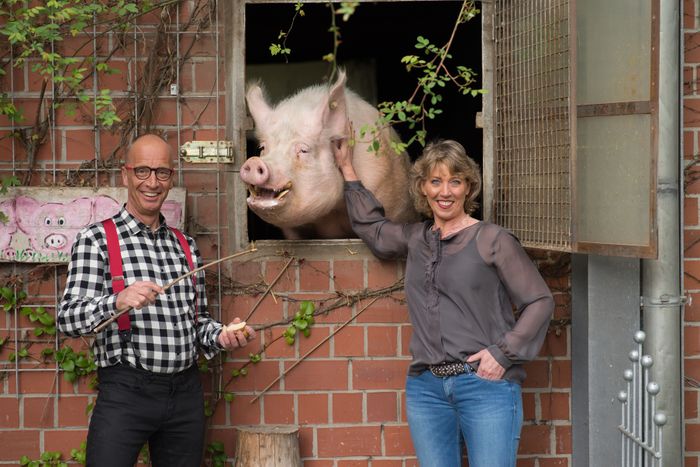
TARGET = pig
x,y
7,229
295,184
52,227
104,207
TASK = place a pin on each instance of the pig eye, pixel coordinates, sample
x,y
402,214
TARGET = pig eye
x,y
261,148
61,221
302,149
47,221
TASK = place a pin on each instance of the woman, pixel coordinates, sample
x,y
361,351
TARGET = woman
x,y
463,279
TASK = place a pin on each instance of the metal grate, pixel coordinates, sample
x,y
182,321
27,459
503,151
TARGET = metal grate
x,y
532,138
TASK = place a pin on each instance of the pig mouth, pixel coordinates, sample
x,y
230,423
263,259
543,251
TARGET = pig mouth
x,y
267,197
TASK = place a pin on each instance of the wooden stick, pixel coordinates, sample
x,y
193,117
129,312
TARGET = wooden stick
x,y
313,349
109,321
269,287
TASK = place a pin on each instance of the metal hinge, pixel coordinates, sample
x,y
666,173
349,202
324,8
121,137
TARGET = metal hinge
x,y
207,152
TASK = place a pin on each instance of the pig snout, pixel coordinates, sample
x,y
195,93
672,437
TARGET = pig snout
x,y
55,241
255,172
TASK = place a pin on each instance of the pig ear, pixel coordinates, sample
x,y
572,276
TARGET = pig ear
x,y
335,110
257,104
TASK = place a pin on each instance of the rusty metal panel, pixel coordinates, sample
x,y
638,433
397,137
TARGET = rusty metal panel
x,y
532,124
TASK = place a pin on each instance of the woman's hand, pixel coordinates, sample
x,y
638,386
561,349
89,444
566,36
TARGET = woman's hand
x,y
343,152
489,368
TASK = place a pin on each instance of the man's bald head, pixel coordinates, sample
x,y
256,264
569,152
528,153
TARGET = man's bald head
x,y
145,144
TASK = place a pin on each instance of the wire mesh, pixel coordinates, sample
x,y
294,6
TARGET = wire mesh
x,y
532,138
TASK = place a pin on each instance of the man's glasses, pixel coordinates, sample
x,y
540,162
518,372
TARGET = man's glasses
x,y
143,172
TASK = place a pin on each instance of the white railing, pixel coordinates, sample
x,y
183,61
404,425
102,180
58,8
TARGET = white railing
x,y
642,425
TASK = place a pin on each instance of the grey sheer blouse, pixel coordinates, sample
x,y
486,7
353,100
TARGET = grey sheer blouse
x,y
461,290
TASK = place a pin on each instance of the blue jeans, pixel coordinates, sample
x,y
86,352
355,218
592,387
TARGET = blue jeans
x,y
489,414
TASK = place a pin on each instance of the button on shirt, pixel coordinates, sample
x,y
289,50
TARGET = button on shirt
x,y
165,337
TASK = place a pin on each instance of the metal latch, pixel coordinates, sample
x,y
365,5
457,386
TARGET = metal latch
x,y
207,152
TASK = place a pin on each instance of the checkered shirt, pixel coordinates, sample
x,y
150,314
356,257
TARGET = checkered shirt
x,y
164,336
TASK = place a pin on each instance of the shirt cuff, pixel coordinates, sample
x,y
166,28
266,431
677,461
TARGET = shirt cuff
x,y
500,357
109,307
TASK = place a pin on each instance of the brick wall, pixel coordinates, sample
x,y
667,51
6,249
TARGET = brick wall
x,y
691,263
347,396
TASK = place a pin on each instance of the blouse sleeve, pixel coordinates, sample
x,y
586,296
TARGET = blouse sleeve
x,y
386,239
528,292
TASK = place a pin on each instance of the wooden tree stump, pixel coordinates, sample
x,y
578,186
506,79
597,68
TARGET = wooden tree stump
x,y
268,446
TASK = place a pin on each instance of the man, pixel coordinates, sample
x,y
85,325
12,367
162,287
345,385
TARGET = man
x,y
150,390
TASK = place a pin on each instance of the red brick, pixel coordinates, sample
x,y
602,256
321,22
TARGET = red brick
x,y
406,333
555,345
314,276
353,463
691,112
18,443
349,441
563,434
691,278
347,407
555,406
9,412
561,374
306,441
535,439
275,345
381,273
525,462
537,374
245,413
349,342
80,145
689,14
386,462
382,341
318,375
209,210
391,309
692,47
287,281
200,181
348,275
382,407
397,441
318,334
689,148
72,411
690,403
318,463
691,461
692,311
692,437
379,374
279,409
690,211
64,440
115,80
529,407
313,408
689,84
692,341
553,462
33,382
259,376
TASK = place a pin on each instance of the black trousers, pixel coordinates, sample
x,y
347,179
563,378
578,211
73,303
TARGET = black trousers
x,y
136,406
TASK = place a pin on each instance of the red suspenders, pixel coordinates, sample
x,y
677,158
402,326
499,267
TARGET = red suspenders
x,y
115,269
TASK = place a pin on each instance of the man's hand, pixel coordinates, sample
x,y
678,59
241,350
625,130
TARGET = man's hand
x,y
236,334
138,295
489,368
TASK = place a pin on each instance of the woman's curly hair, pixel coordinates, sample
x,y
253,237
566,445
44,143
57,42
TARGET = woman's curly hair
x,y
455,158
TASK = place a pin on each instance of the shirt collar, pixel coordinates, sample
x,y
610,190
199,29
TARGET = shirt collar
x,y
134,226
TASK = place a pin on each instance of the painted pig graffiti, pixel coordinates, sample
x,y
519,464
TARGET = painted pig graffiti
x,y
51,227
41,224
295,183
